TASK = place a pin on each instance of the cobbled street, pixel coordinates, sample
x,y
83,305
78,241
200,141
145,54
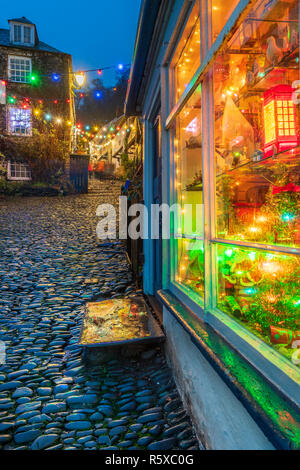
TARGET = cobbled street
x,y
51,265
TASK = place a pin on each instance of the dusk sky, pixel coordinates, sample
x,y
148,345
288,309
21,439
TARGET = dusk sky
x,y
96,33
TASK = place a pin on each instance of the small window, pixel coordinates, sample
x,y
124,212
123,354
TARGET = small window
x,y
17,33
19,121
186,59
27,34
22,34
18,171
19,69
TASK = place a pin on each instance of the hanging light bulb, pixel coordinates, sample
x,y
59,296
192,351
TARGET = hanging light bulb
x,y
55,77
79,78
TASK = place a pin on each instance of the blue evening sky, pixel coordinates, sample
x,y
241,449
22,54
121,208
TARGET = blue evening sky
x,y
96,33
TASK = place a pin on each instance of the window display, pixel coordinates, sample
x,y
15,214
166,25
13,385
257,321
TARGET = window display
x,y
189,190
190,267
221,12
261,290
187,56
257,129
188,166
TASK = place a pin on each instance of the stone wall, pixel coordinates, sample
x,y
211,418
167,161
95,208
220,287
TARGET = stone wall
x,y
44,88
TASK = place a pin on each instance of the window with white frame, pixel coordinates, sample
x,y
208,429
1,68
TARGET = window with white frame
x,y
19,69
22,34
236,149
19,121
18,171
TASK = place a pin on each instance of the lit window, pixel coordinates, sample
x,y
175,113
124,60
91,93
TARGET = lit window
x,y
18,171
186,59
19,121
19,69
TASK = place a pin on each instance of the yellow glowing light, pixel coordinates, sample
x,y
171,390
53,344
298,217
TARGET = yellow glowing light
x,y
58,120
79,78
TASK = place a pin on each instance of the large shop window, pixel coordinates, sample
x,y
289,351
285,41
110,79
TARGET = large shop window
x,y
188,181
221,12
186,59
257,150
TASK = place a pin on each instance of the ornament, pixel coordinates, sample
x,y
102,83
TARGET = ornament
x,y
257,156
283,335
289,188
234,306
274,53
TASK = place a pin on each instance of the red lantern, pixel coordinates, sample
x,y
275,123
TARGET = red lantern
x,y
279,120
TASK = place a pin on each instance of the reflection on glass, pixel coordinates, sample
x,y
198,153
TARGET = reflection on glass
x,y
188,159
257,129
221,12
190,266
187,56
262,291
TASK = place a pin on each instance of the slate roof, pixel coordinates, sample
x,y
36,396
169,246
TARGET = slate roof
x,y
22,20
40,46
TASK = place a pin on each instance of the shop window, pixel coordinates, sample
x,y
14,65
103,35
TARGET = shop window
x,y
189,190
221,12
190,264
261,290
186,59
257,129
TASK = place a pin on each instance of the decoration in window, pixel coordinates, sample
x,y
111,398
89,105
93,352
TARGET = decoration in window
x,y
19,69
187,56
279,120
189,225
257,129
19,121
261,290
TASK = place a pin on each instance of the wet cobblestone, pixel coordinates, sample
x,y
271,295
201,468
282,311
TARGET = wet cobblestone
x,y
51,265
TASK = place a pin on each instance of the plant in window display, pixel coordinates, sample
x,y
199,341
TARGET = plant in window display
x,y
282,206
261,290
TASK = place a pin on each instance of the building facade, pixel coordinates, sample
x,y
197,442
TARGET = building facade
x,y
216,84
36,86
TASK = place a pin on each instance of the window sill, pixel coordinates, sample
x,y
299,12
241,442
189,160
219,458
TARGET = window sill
x,y
270,406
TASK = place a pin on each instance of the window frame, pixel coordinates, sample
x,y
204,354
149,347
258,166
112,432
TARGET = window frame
x,y
22,35
18,178
269,362
9,73
28,134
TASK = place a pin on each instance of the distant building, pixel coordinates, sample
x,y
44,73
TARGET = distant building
x,y
35,83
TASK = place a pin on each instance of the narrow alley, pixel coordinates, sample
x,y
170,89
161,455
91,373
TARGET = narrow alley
x,y
51,265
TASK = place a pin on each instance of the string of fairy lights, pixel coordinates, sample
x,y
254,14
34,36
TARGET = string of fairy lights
x,y
36,104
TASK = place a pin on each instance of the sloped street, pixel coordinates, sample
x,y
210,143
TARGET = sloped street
x,y
51,265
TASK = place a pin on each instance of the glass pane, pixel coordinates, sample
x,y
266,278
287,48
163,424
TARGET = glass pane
x,y
188,162
187,56
257,129
190,264
261,290
221,12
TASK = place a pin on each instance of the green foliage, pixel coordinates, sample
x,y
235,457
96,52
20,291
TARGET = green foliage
x,y
45,151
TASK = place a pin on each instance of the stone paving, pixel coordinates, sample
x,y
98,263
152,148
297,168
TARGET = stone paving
x,y
49,399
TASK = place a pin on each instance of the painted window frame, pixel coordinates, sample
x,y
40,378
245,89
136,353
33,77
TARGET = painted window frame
x,y
17,134
22,35
18,178
9,71
269,362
